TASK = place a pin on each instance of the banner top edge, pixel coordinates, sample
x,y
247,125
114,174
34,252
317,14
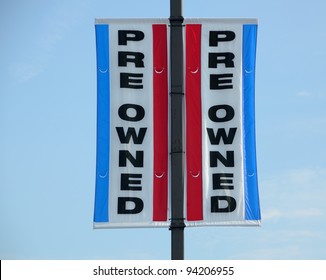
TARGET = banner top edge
x,y
130,20
222,20
166,20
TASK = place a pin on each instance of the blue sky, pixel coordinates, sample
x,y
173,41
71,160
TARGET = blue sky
x,y
48,133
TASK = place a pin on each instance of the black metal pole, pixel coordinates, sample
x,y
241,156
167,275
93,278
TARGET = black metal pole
x,y
177,131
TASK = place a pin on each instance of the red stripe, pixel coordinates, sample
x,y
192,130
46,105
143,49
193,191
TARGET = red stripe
x,y
193,123
160,76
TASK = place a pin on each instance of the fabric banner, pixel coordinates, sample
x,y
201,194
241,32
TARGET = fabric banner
x,y
132,166
221,173
132,124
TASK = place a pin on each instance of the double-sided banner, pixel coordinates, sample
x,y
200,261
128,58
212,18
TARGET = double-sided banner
x,y
132,166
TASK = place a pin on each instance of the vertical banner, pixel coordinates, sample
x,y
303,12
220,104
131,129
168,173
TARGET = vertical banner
x,y
132,124
221,173
132,167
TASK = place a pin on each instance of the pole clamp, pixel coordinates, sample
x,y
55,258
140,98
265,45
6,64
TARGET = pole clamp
x,y
176,20
177,223
177,92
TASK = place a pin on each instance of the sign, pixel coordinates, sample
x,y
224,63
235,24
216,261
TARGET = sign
x,y
221,175
132,127
132,170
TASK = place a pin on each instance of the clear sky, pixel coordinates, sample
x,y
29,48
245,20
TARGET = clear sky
x,y
48,133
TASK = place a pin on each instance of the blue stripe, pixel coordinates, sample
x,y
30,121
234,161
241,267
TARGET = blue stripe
x,y
101,212
252,209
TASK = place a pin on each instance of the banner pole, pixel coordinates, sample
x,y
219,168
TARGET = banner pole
x,y
177,130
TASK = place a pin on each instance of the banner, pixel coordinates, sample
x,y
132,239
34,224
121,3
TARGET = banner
x,y
132,166
132,127
221,173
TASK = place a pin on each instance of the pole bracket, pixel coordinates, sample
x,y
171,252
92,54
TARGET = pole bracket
x,y
177,223
176,20
177,92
